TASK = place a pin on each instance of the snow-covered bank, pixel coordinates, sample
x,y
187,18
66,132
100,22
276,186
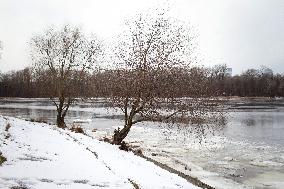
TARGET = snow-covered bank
x,y
42,156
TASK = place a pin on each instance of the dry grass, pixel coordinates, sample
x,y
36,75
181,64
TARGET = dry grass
x,y
135,185
2,159
77,129
7,127
39,120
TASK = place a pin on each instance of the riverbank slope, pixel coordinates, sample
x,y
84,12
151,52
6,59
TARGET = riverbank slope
x,y
43,156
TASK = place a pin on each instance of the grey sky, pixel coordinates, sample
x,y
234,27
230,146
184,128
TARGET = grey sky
x,y
241,33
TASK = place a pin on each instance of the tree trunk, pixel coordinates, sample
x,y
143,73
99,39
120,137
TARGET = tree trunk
x,y
119,135
60,121
60,114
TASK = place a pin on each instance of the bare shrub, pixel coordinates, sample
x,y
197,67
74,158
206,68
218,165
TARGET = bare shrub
x,y
77,129
39,120
8,126
2,159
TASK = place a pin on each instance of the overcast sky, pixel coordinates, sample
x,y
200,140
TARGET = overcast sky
x,y
242,33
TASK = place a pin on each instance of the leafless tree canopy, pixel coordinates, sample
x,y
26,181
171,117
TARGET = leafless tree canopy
x,y
198,81
153,56
154,42
67,55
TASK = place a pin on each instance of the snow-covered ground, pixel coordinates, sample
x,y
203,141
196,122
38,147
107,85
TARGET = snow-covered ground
x,y
43,156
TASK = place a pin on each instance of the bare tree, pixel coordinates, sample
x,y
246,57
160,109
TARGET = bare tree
x,y
219,71
64,53
151,54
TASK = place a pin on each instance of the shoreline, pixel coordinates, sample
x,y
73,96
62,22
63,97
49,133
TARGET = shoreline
x,y
190,179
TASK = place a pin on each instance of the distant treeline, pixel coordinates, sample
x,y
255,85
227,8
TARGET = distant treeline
x,y
252,83
195,81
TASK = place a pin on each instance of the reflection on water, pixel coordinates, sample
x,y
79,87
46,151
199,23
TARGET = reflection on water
x,y
249,122
262,126
48,115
